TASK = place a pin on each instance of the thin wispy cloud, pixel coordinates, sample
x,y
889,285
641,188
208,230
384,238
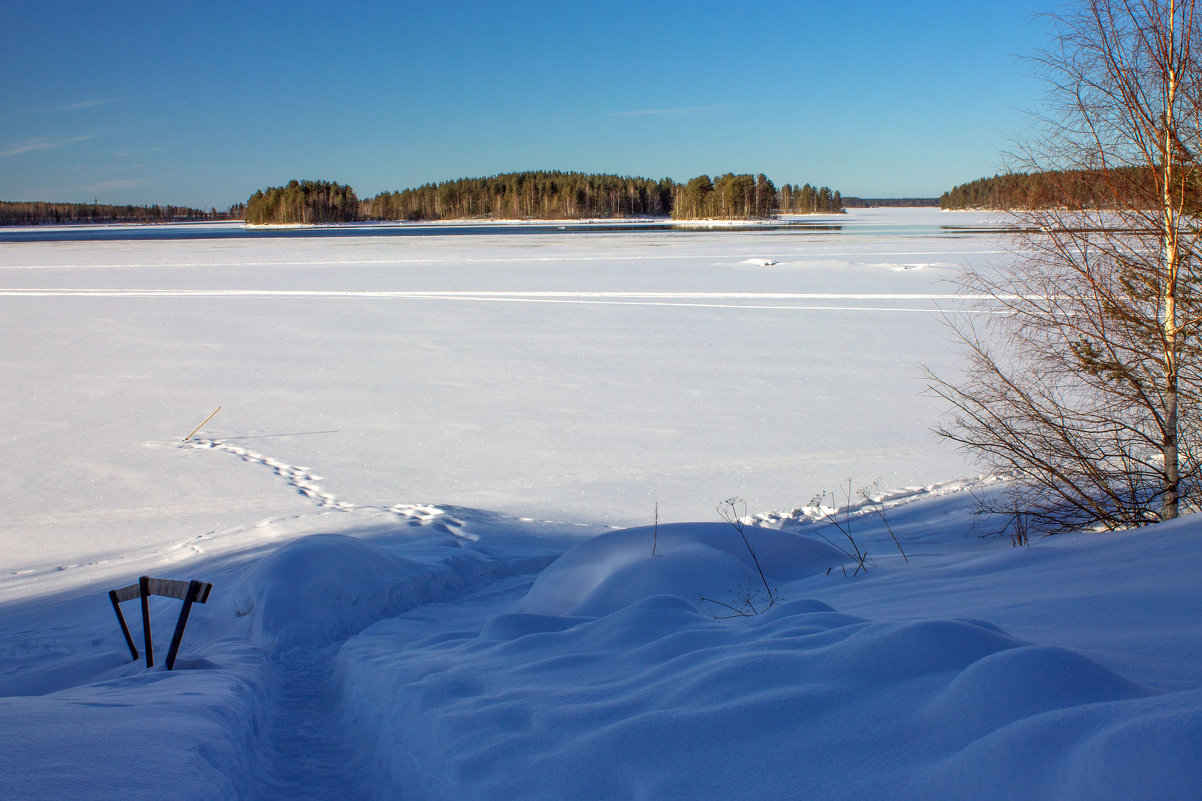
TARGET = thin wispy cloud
x,y
669,112
85,104
34,145
57,107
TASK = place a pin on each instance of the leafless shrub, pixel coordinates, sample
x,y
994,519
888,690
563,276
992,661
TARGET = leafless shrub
x,y
1084,383
747,600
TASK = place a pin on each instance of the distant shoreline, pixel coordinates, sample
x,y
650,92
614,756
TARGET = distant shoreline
x,y
702,222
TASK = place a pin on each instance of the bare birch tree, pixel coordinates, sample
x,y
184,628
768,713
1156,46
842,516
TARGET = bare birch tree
x,y
1085,388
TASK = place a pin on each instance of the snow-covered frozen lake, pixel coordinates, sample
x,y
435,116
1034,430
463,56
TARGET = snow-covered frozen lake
x,y
406,508
565,376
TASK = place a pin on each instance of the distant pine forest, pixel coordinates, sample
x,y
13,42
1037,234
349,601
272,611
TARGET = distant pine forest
x,y
544,195
890,202
1038,190
41,213
518,195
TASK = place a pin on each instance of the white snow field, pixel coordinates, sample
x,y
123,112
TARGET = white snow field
x,y
426,508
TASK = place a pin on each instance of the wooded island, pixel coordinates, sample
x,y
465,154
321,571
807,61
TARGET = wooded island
x,y
544,195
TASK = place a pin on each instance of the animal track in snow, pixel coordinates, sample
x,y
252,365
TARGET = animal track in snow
x,y
305,482
866,504
424,515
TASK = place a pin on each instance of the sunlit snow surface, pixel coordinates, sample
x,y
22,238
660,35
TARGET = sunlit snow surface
x,y
570,377
406,507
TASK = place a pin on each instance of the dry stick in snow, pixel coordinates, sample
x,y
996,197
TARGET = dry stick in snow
x,y
878,506
655,532
202,425
737,522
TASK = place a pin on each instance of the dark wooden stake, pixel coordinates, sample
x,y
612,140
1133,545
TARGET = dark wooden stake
x,y
129,640
193,592
144,592
189,592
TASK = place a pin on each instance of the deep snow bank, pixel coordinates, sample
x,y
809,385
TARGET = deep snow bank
x,y
431,664
136,733
604,681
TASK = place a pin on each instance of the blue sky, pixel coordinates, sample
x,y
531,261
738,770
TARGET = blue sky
x,y
202,103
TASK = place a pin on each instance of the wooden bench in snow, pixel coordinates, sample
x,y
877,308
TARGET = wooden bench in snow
x,y
189,592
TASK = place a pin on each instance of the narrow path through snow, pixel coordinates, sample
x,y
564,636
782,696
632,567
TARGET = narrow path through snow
x,y
309,746
307,749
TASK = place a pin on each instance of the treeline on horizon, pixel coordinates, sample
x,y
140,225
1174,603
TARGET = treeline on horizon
x,y
42,213
1052,188
890,202
543,195
569,195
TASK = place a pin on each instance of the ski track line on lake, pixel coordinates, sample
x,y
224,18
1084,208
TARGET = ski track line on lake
x,y
441,294
700,305
637,299
817,256
697,300
305,482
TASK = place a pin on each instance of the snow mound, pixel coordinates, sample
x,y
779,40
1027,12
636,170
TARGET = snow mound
x,y
1140,748
323,587
638,703
1009,685
760,262
614,570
